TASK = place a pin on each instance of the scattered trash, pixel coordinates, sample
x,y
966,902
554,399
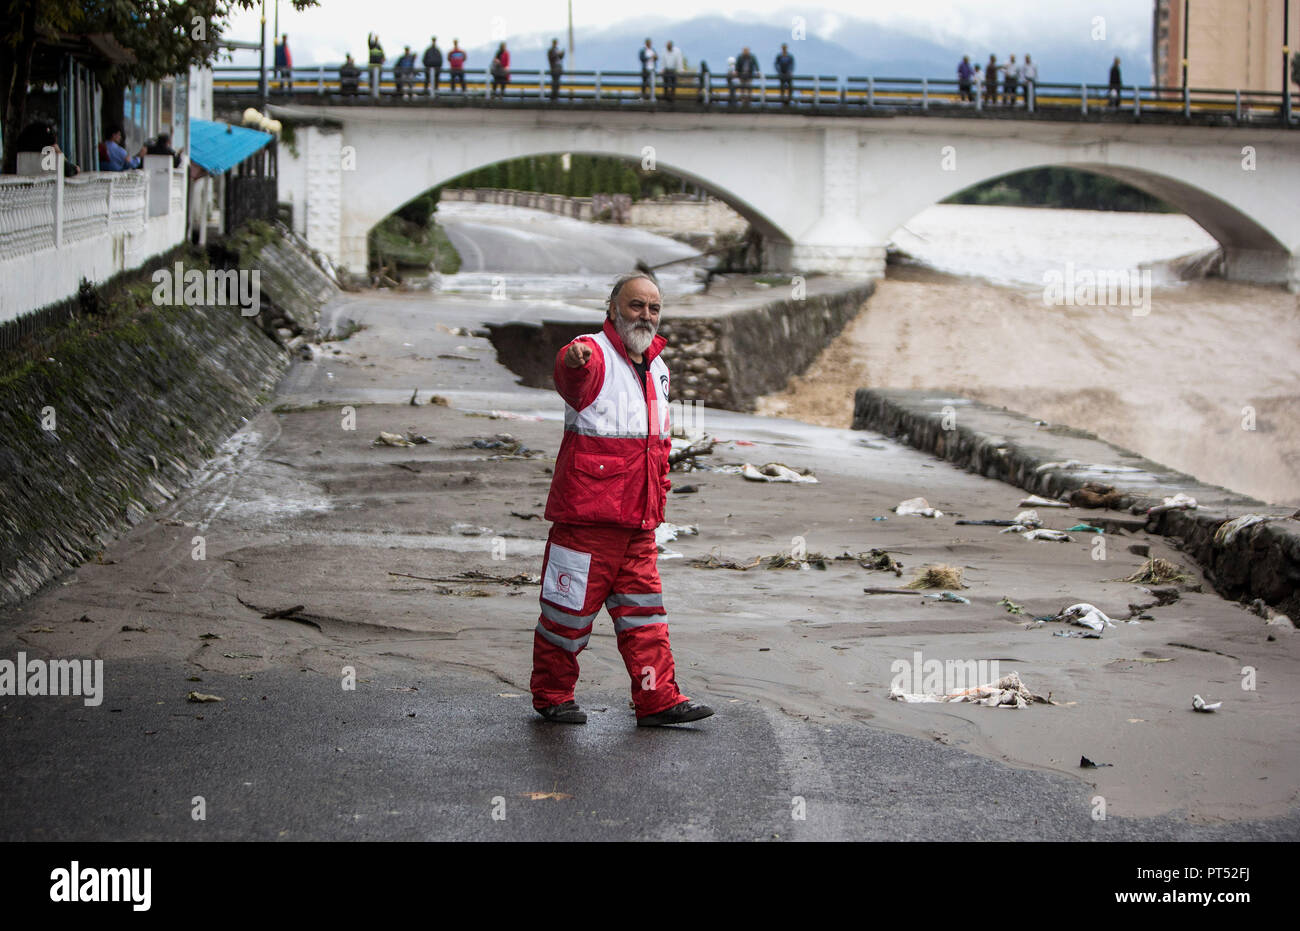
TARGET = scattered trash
x,y
1086,635
1095,495
458,358
1085,615
507,445
439,400
1179,502
684,453
469,530
917,506
40,630
880,518
1157,571
197,697
988,523
521,516
1200,704
947,596
1007,692
1059,536
1025,521
879,559
541,796
209,636
1035,501
889,591
391,439
1086,528
417,439
141,629
476,575
776,472
938,576
1011,606
1228,530
686,490
788,561
666,532
714,561
1085,763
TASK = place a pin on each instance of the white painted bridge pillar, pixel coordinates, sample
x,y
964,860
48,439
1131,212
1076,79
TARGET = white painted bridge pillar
x,y
838,242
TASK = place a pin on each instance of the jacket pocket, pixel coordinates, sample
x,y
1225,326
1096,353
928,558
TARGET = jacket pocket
x,y
601,480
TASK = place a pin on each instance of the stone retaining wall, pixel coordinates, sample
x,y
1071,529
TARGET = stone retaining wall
x,y
1261,561
724,360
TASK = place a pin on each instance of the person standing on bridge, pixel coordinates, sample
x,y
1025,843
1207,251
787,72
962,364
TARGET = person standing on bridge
x,y
1116,84
991,82
648,57
785,74
1028,79
1010,82
284,63
555,58
404,73
349,76
500,70
964,74
746,69
456,66
432,67
608,494
376,62
673,63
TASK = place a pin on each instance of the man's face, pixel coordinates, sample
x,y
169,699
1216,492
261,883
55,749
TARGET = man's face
x,y
636,314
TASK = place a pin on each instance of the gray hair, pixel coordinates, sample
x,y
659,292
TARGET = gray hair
x,y
624,279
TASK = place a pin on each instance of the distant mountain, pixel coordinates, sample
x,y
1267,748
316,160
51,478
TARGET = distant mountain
x,y
852,47
856,47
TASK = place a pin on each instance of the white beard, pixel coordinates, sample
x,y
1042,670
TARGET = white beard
x,y
636,337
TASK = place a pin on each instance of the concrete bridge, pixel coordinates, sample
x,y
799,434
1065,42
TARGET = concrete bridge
x,y
825,193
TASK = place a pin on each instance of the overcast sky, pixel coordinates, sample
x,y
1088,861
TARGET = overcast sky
x,y
338,26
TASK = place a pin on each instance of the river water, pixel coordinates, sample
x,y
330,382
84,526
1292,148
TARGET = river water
x,y
1203,377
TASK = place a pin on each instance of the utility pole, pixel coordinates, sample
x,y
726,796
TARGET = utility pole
x,y
1186,30
570,35
261,81
1286,64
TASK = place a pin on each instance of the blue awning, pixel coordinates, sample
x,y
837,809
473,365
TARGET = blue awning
x,y
219,147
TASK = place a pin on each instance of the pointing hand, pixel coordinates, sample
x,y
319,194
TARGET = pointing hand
x,y
577,354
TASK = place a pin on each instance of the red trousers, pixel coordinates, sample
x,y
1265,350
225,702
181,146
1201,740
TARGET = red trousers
x,y
583,568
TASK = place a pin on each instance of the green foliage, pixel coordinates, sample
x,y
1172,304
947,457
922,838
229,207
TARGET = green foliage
x,y
1060,187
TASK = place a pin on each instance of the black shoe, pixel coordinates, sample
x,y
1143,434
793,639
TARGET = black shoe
x,y
567,713
678,714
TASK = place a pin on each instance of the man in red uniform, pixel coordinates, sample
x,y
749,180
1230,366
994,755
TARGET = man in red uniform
x,y
607,497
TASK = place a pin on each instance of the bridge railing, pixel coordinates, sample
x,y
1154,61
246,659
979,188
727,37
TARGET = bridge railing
x,y
716,91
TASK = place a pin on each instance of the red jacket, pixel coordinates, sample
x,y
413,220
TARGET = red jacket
x,y
612,467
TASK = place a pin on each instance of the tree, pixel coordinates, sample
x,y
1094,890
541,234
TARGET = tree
x,y
163,38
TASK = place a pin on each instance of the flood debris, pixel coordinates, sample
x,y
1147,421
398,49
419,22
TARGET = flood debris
x,y
937,576
1042,533
1229,529
684,453
1157,571
666,533
1011,606
918,506
477,575
877,559
686,490
715,561
776,472
200,697
1085,528
1095,495
1085,763
1179,502
1037,501
391,439
504,445
947,596
1200,704
1084,615
1007,692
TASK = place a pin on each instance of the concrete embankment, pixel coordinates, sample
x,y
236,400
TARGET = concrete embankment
x,y
111,414
1245,560
724,351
